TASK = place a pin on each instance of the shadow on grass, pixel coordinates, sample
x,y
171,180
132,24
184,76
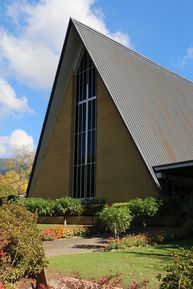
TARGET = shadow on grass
x,y
87,246
148,254
187,244
166,250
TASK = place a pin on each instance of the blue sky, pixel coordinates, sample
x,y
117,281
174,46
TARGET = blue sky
x,y
31,37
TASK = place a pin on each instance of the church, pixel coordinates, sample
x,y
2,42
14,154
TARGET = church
x,y
118,126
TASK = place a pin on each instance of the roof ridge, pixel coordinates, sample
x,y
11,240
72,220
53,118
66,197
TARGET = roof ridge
x,y
131,50
102,35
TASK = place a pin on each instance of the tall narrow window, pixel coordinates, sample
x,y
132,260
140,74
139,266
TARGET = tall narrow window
x,y
85,130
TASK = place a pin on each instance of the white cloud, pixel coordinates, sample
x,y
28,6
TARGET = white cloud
x,y
33,54
18,139
9,103
187,57
121,37
33,64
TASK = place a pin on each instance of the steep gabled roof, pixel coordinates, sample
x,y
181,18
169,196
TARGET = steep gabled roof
x,y
155,104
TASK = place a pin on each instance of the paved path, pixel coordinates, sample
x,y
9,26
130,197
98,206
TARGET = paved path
x,y
73,246
82,245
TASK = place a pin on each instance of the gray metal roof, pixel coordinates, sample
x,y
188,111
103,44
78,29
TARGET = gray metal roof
x,y
155,104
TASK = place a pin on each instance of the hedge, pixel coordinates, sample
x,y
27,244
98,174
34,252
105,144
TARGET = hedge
x,y
140,209
66,206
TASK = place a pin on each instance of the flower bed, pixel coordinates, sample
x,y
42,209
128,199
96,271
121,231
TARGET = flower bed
x,y
140,240
144,239
60,281
61,231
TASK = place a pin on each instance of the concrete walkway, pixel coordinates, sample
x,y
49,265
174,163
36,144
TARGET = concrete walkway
x,y
82,245
73,246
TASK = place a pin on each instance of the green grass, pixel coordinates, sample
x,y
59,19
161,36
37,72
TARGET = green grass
x,y
134,264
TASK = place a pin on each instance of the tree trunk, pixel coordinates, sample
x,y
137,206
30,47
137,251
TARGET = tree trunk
x,y
41,282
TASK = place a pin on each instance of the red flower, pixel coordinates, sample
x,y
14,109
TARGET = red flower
x,y
2,255
41,286
1,286
134,286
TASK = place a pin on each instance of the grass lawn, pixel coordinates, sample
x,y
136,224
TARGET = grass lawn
x,y
136,264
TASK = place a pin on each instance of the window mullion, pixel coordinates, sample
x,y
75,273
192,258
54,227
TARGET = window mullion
x,y
86,129
84,160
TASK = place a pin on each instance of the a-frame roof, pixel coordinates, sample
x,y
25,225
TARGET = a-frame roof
x,y
155,104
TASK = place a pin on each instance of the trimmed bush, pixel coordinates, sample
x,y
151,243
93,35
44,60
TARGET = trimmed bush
x,y
67,207
180,273
42,207
142,209
93,207
60,207
115,220
21,251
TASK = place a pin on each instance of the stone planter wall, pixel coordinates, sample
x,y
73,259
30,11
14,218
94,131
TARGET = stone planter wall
x,y
158,221
50,220
71,220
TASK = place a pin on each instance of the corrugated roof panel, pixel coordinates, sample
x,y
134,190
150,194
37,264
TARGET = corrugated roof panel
x,y
155,104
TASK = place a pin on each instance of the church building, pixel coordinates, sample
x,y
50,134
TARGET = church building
x,y
118,126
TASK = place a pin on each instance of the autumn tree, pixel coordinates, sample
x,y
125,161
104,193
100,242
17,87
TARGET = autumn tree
x,y
6,188
15,180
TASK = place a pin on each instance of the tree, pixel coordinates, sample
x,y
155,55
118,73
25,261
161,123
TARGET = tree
x,y
8,184
22,159
15,180
115,219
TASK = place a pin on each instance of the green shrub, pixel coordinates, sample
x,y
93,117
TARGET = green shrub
x,y
59,207
115,220
8,199
180,274
67,207
42,207
93,207
21,251
142,209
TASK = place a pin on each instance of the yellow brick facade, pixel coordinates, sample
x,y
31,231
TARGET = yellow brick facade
x,y
54,175
121,173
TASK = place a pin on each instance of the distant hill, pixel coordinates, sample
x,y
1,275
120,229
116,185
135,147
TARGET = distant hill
x,y
3,165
